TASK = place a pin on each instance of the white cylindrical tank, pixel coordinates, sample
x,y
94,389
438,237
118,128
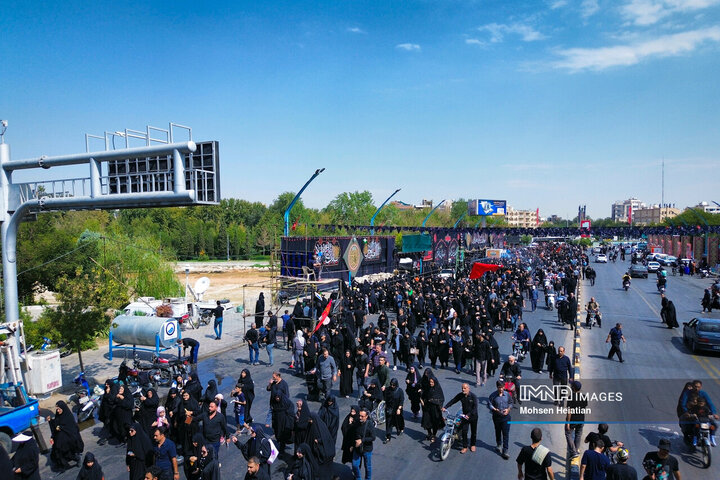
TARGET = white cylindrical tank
x,y
132,330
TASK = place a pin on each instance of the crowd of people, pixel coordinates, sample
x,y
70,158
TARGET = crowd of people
x,y
424,323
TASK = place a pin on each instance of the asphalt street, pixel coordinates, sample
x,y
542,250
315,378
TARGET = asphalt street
x,y
656,366
656,369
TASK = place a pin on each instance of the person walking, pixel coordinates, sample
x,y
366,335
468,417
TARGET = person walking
x,y
576,419
594,463
252,337
664,465
270,342
326,370
562,370
165,455
363,447
218,312
536,459
26,461
469,403
614,338
394,400
534,298
500,404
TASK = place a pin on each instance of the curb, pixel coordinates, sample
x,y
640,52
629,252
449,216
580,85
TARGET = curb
x,y
573,464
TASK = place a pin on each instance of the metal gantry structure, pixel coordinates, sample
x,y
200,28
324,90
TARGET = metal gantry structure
x,y
159,173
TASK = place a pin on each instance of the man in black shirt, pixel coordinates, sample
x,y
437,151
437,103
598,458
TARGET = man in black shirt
x,y
252,338
536,459
621,470
610,446
575,418
193,345
214,426
562,369
469,403
218,312
662,460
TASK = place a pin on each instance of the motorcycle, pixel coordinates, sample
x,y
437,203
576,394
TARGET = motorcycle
x,y
85,400
704,272
626,284
593,318
509,386
702,441
518,350
550,301
661,286
450,434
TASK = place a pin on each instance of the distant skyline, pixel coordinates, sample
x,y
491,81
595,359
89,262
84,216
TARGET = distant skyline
x,y
547,104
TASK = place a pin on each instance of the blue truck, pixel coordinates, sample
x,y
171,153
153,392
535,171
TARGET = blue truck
x,y
18,412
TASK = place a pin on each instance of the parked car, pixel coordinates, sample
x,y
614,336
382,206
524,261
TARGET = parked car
x,y
669,261
602,258
446,273
638,270
653,267
702,334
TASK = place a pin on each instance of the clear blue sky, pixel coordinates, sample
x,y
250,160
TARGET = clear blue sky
x,y
546,104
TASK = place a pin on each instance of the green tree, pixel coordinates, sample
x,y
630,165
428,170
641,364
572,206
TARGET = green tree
x,y
351,208
85,300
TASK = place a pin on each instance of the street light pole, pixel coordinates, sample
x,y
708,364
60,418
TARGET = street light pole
x,y
287,212
372,220
458,220
431,212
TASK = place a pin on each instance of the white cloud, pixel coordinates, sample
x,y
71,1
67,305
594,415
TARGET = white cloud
x,y
474,41
498,31
558,4
408,47
356,30
649,12
578,59
588,8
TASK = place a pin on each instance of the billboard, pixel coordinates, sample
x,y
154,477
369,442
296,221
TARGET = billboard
x,y
487,207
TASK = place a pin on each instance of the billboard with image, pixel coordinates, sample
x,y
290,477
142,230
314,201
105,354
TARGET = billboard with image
x,y
484,207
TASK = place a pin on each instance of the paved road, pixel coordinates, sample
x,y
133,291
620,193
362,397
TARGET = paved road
x,y
657,364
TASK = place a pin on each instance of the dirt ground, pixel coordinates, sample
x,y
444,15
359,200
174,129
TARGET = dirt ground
x,y
227,283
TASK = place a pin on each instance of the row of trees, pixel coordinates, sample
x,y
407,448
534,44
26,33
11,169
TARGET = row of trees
x,y
134,244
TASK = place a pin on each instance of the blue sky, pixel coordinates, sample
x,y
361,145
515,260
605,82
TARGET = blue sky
x,y
547,104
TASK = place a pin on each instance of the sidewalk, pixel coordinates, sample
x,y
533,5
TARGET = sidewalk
x,y
99,368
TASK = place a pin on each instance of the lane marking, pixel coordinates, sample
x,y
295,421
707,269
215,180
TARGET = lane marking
x,y
709,368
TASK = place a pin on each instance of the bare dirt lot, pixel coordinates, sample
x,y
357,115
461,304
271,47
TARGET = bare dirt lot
x,y
227,280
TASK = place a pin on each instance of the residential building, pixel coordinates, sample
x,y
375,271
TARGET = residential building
x,y
653,214
521,218
621,209
707,208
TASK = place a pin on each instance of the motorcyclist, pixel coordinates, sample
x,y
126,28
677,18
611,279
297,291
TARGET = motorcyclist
x,y
696,394
661,281
523,336
626,278
511,370
593,308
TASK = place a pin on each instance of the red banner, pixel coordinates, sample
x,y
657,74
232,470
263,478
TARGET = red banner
x,y
479,269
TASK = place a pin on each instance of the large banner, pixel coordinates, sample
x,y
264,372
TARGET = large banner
x,y
311,252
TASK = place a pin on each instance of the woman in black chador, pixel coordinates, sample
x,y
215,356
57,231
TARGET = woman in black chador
x,y
139,454
65,437
537,351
